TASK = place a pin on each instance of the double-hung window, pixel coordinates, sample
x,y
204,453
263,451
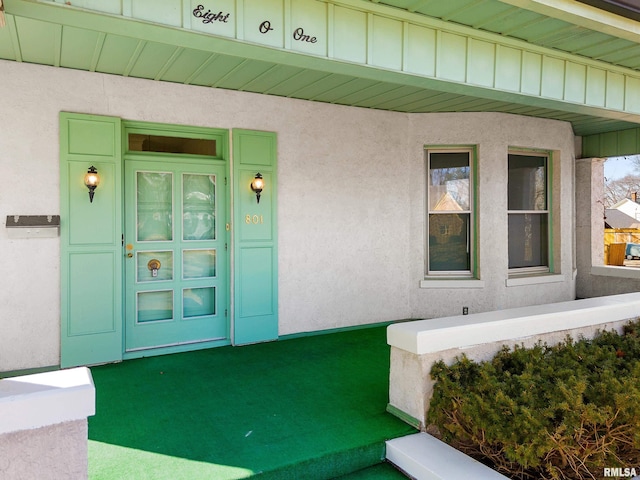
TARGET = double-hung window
x,y
450,212
528,212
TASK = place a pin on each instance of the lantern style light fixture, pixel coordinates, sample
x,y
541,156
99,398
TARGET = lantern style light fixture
x,y
92,180
257,185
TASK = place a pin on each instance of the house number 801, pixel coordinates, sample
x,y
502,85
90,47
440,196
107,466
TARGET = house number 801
x,y
253,219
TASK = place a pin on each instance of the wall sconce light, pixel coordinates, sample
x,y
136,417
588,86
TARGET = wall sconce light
x,y
92,180
257,185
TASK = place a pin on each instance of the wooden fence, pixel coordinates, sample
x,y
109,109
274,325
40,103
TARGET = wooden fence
x,y
614,241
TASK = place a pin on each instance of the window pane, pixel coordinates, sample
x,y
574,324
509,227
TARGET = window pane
x,y
528,240
527,182
449,242
449,181
157,143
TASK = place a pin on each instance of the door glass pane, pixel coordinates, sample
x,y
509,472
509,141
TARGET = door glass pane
x,y
449,181
154,206
161,261
158,143
528,240
198,302
199,263
155,306
449,242
198,205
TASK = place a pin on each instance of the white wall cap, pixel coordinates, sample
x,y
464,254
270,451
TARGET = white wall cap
x,y
461,331
34,401
424,457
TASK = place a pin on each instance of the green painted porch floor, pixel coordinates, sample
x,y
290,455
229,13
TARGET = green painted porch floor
x,y
304,408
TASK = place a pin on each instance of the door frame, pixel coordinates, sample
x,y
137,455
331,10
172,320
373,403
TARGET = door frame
x,y
221,136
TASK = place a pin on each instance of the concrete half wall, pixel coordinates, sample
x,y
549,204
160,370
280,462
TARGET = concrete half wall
x,y
351,204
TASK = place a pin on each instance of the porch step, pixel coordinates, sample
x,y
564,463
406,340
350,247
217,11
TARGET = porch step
x,y
424,457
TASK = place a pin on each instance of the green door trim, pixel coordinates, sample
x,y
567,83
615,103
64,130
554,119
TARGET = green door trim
x,y
221,158
92,315
90,241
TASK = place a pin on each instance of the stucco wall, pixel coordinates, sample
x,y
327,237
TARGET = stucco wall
x,y
493,134
350,205
56,452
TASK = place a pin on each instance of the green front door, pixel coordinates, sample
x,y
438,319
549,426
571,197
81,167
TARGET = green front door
x,y
176,280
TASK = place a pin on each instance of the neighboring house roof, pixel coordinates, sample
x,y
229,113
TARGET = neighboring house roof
x,y
447,202
629,207
618,219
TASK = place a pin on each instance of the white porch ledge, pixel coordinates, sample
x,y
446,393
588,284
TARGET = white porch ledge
x,y
43,424
424,457
417,345
614,271
461,331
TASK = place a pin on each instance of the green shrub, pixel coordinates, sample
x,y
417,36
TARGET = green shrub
x,y
561,412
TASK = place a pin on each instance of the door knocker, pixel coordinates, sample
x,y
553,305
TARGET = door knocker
x,y
154,266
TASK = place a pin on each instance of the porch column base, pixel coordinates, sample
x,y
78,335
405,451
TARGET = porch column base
x,y
43,425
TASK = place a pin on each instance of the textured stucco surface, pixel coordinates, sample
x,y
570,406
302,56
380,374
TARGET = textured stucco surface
x,y
351,201
56,452
411,386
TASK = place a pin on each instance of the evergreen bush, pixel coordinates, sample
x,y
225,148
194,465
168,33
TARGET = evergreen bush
x,y
547,412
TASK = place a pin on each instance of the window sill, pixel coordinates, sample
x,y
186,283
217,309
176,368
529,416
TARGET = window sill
x,y
613,271
452,283
534,280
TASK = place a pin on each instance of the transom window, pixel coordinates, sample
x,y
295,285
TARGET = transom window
x,y
528,212
450,212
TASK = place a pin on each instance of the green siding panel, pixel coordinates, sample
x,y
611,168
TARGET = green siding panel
x,y
309,19
632,97
387,43
596,86
553,77
615,91
350,35
420,50
531,73
90,238
576,82
481,63
452,56
258,11
167,12
508,68
255,239
218,27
